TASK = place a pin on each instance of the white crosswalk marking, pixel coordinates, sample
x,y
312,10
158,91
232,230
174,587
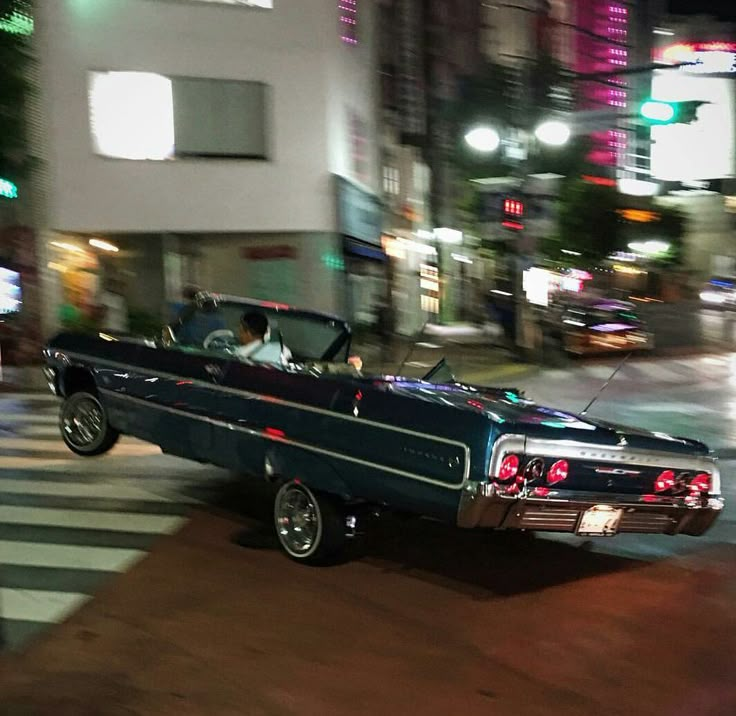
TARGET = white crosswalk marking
x,y
67,523
39,606
125,447
78,489
89,519
23,418
63,556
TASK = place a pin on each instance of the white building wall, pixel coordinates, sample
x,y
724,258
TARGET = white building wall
x,y
292,48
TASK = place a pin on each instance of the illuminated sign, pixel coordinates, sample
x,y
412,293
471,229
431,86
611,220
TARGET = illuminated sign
x,y
703,57
8,190
639,215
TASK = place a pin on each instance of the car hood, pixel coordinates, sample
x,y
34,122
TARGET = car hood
x,y
512,411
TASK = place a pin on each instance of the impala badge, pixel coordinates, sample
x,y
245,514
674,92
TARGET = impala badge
x,y
616,471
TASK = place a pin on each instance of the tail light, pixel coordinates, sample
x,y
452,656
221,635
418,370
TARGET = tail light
x,y
701,483
509,468
665,481
558,472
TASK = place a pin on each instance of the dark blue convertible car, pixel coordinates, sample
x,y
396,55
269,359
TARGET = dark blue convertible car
x,y
336,443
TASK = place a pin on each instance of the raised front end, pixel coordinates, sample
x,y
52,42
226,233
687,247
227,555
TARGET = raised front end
x,y
592,490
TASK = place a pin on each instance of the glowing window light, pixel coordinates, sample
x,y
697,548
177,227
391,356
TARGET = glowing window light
x,y
132,115
17,23
348,10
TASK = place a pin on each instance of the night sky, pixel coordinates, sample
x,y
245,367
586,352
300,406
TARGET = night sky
x,y
725,9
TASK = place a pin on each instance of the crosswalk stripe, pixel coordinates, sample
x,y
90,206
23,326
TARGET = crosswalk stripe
x,y
29,418
78,489
61,556
24,397
37,431
35,605
116,521
129,446
24,463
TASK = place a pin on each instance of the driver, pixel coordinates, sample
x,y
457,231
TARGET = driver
x,y
255,345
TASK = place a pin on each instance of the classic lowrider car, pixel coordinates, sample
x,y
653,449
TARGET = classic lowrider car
x,y
336,443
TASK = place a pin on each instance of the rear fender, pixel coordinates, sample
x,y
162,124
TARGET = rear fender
x,y
283,461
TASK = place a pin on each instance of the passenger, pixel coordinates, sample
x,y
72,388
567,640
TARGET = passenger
x,y
254,341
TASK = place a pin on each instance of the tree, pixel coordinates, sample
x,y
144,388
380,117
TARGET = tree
x,y
591,223
15,57
588,222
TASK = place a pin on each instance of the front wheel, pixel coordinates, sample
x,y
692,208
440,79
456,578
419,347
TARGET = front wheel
x,y
84,425
310,526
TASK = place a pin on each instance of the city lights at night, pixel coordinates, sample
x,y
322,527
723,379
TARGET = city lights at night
x,y
368,357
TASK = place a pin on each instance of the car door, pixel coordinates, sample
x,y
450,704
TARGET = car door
x,y
178,390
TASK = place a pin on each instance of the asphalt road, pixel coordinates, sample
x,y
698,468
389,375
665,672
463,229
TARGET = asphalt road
x,y
426,617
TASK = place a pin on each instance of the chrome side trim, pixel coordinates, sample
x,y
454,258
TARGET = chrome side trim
x,y
61,355
278,439
574,450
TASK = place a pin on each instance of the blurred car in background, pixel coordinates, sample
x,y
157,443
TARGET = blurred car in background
x,y
590,326
719,292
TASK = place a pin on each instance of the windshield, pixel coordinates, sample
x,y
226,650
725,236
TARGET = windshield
x,y
309,337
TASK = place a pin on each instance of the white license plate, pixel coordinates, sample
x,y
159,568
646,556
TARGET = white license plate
x,y
600,520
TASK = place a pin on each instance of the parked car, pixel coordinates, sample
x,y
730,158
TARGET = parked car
x,y
719,292
594,326
337,444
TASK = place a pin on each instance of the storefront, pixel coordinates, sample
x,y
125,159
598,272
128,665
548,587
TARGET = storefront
x,y
368,299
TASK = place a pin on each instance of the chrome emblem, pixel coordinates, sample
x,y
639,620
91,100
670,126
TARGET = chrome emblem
x,y
616,471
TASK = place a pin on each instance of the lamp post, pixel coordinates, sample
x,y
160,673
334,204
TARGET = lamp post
x,y
486,140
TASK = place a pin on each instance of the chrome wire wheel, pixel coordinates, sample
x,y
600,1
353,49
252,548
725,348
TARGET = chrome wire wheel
x,y
83,423
298,520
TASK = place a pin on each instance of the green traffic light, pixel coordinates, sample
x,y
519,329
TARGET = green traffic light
x,y
658,112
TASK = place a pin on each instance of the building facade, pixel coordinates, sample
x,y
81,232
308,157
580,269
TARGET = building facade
x,y
229,144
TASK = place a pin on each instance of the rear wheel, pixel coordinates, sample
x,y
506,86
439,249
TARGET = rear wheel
x,y
84,425
310,526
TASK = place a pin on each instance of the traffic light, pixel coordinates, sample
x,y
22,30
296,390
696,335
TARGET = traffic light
x,y
656,111
513,213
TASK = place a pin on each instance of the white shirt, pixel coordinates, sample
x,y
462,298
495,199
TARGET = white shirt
x,y
261,352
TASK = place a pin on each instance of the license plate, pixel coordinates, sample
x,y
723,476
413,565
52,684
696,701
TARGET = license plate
x,y
600,520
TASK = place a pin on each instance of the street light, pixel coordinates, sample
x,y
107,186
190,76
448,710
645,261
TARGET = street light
x,y
483,139
553,132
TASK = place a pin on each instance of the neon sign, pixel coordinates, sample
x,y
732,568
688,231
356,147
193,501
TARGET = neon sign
x,y
702,57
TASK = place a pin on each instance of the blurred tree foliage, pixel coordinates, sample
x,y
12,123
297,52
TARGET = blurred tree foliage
x,y
15,58
590,223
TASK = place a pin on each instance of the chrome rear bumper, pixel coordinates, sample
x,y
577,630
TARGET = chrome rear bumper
x,y
482,506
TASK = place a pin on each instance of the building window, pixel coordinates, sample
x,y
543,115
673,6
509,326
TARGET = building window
x,y
348,13
141,115
265,4
391,181
359,149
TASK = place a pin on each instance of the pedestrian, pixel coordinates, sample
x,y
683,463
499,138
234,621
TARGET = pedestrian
x,y
179,308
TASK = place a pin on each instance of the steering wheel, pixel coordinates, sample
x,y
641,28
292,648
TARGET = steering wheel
x,y
219,338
